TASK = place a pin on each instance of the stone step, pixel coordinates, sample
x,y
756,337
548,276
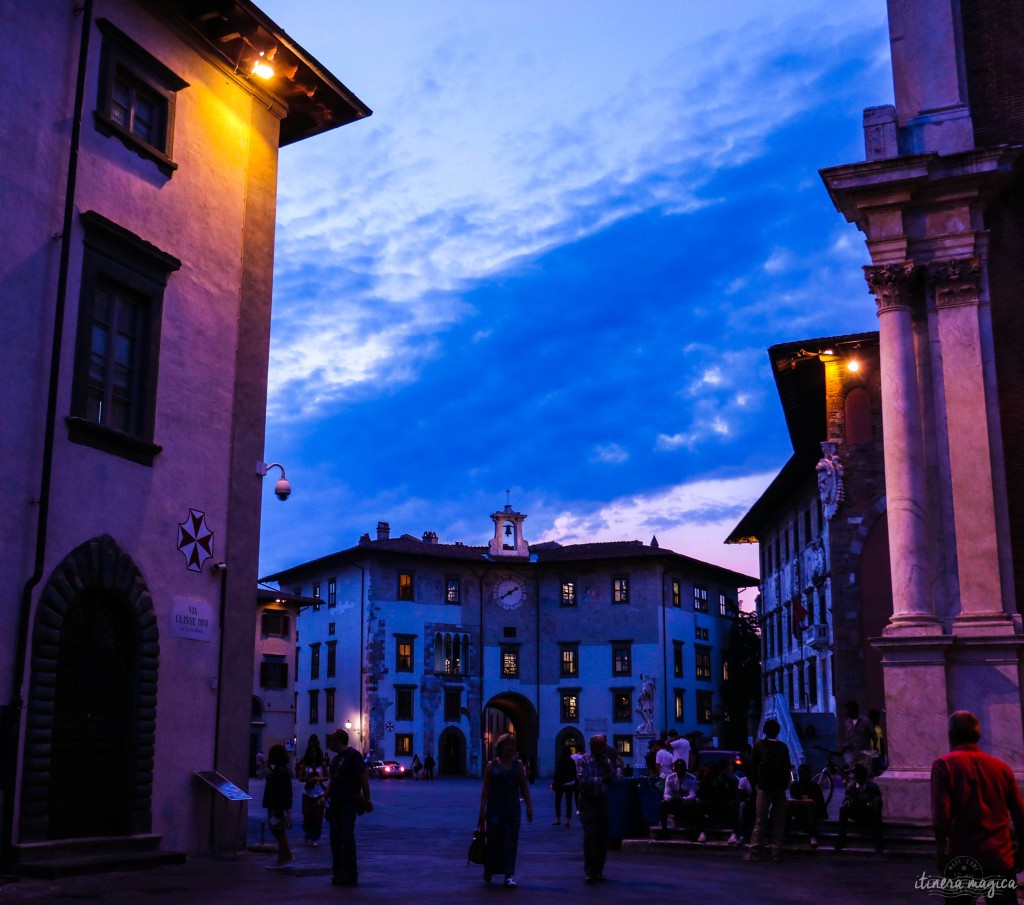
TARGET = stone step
x,y
69,857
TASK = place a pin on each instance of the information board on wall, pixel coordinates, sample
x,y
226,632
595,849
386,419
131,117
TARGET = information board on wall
x,y
223,785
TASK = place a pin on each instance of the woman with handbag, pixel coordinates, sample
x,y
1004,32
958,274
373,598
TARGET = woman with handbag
x,y
504,783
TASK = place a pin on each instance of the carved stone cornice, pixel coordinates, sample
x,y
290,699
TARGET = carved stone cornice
x,y
893,285
956,282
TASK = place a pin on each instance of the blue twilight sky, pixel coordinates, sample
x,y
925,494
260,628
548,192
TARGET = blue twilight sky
x,y
553,260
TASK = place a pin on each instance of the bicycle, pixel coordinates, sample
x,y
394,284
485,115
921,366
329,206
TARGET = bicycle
x,y
824,778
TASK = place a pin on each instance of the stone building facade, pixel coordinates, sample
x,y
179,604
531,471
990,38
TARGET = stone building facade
x,y
939,200
821,526
140,154
422,647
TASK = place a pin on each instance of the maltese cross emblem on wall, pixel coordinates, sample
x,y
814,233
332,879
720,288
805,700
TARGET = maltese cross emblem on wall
x,y
195,540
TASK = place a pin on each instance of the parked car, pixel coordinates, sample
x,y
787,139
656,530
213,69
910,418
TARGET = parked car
x,y
392,769
375,767
702,761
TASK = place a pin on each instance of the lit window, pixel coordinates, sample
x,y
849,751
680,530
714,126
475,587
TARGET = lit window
x,y
680,709
569,660
452,590
405,586
622,658
332,592
403,744
509,662
620,589
677,593
702,656
570,707
568,593
700,598
316,596
623,745
403,654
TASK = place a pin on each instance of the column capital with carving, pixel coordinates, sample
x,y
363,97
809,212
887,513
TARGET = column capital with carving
x,y
956,282
892,285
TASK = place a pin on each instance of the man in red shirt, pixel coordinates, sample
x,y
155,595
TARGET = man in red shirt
x,y
974,798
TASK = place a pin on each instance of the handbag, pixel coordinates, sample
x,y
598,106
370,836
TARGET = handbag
x,y
360,804
477,848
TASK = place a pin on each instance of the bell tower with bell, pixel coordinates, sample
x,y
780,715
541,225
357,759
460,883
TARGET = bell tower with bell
x,y
508,540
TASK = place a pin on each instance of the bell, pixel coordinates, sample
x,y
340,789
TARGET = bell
x,y
508,531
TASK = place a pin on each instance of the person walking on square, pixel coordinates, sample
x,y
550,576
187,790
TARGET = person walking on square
x,y
594,773
428,767
974,800
349,780
504,783
769,774
564,784
277,799
416,766
312,758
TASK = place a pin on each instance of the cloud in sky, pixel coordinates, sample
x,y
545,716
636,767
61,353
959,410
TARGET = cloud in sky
x,y
554,257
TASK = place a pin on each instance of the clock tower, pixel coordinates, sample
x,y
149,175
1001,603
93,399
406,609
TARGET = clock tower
x,y
508,540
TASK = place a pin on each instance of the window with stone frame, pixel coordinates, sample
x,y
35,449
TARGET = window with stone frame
x,y
403,744
332,592
622,705
329,695
314,706
404,702
704,704
509,662
677,659
273,672
700,598
677,593
623,745
314,661
680,705
570,706
137,98
702,659
117,346
569,660
620,589
568,593
275,623
622,658
452,590
405,586
332,659
404,653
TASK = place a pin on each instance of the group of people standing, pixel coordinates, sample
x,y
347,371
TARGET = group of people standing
x,y
340,797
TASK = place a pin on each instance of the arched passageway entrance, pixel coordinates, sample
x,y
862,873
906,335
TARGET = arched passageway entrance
x,y
451,753
510,712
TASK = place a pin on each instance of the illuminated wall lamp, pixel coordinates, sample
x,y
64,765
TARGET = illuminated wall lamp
x,y
853,365
263,64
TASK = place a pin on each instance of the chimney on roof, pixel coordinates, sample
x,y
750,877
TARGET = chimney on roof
x,y
654,540
429,537
364,540
383,531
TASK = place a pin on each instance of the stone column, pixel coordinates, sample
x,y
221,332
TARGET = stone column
x,y
905,484
957,289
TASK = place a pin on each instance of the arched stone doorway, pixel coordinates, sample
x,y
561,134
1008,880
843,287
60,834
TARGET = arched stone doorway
x,y
512,712
92,700
575,739
451,753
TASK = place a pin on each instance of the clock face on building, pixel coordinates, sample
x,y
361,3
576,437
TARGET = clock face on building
x,y
509,592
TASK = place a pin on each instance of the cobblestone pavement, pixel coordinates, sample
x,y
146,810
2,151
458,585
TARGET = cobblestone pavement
x,y
415,844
